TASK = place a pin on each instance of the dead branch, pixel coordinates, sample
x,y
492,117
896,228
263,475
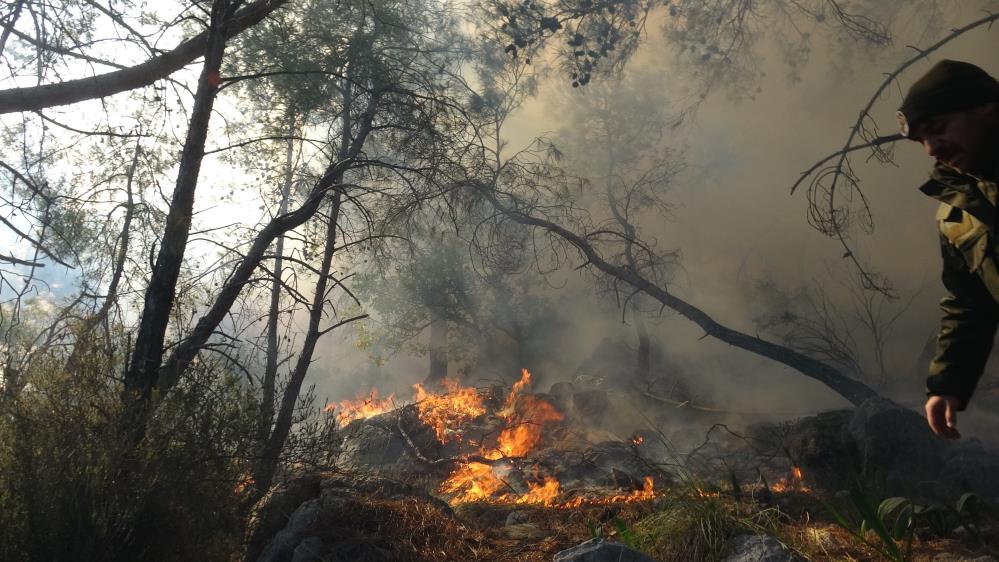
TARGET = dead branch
x,y
853,391
143,74
824,213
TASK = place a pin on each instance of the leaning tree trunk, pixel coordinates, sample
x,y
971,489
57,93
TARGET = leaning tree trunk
x,y
852,390
159,67
263,474
187,349
266,468
141,376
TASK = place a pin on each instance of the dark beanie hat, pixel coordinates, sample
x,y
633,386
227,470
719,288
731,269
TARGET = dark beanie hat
x,y
949,86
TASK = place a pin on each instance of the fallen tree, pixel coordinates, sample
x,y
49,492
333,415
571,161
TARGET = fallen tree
x,y
515,209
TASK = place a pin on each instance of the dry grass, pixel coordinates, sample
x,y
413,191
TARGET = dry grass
x,y
686,528
417,530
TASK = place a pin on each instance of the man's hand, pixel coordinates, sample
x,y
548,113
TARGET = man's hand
x,y
941,413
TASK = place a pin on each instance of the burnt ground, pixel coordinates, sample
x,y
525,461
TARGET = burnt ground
x,y
676,526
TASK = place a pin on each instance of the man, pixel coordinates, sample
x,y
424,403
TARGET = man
x,y
953,111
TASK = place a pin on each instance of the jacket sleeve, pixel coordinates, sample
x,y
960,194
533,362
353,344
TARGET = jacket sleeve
x,y
967,329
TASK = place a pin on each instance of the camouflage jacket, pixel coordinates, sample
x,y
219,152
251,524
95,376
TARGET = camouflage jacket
x,y
967,222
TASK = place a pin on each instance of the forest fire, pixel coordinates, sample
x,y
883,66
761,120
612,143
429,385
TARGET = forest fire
x,y
361,408
524,425
518,428
794,483
525,416
446,413
477,481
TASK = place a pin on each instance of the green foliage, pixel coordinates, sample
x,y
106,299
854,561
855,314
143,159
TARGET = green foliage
x,y
889,526
71,490
693,527
905,516
893,539
624,535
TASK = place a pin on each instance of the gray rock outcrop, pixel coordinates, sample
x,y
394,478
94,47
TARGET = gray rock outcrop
x,y
599,550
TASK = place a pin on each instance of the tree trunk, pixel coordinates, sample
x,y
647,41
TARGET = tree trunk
x,y
264,471
263,475
267,385
438,349
141,377
188,348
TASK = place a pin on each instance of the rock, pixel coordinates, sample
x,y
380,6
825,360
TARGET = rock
x,y
523,531
561,393
759,548
594,468
599,550
968,467
271,513
590,405
824,452
516,517
284,543
896,447
372,443
309,550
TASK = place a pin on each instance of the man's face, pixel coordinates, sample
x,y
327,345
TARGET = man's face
x,y
967,141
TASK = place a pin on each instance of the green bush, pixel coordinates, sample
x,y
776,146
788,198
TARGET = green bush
x,y
71,490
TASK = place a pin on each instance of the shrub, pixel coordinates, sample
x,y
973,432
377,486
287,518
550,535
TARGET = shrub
x,y
70,490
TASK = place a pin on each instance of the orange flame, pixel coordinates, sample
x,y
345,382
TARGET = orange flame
x,y
474,481
544,493
706,494
637,440
447,412
511,399
648,492
361,408
795,483
524,431
525,416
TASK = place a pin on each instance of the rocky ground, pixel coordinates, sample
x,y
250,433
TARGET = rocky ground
x,y
767,492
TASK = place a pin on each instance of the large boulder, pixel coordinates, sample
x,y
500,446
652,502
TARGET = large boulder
x,y
822,449
610,464
284,544
306,534
968,467
892,450
896,447
378,444
272,512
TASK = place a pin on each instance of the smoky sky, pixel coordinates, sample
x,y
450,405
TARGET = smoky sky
x,y
736,222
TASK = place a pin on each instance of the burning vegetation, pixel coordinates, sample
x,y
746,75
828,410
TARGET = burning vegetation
x,y
518,465
495,442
